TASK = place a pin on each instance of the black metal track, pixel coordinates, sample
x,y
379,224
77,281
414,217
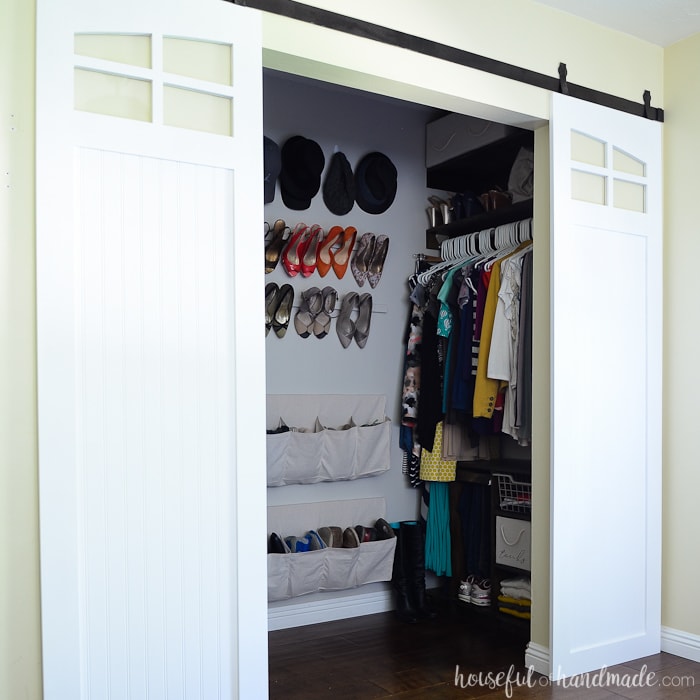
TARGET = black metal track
x,y
367,30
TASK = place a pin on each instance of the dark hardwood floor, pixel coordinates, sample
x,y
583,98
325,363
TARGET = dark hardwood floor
x,y
376,656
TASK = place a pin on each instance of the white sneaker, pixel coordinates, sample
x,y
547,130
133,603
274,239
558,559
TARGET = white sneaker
x,y
481,593
465,588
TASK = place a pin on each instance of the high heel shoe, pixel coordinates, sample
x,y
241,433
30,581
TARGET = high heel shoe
x,y
341,257
291,255
360,263
309,308
283,310
322,324
324,262
271,290
364,319
345,326
376,264
310,250
440,211
275,244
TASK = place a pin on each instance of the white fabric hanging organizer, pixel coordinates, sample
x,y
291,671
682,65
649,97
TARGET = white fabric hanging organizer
x,y
330,569
318,447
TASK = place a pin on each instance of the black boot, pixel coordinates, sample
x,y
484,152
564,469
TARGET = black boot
x,y
400,583
414,567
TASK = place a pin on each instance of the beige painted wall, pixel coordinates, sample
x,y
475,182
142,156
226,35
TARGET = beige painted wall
x,y
551,37
681,517
20,624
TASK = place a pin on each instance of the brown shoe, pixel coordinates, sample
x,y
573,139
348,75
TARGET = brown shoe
x,y
350,538
332,536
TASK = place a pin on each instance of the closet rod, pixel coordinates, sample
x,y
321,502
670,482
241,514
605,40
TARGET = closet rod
x,y
376,32
455,248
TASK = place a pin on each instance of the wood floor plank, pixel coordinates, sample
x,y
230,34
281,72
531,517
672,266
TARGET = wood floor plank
x,y
376,656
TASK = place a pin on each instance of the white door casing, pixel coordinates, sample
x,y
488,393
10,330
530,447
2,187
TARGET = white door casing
x,y
150,349
606,287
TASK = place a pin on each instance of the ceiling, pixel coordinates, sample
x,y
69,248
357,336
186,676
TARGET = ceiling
x,y
660,22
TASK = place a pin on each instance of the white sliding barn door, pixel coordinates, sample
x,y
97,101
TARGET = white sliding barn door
x,y
606,386
150,349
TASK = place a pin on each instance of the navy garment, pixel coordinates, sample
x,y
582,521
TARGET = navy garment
x,y
474,511
430,397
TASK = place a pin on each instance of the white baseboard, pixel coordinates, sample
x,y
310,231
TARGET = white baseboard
x,y
538,657
680,643
305,611
676,642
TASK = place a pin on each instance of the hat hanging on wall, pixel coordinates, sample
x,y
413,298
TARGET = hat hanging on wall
x,y
339,185
273,165
375,183
300,176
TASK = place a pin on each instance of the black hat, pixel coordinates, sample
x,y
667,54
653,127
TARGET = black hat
x,y
273,164
300,177
339,186
375,183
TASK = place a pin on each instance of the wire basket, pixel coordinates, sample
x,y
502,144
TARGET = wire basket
x,y
513,496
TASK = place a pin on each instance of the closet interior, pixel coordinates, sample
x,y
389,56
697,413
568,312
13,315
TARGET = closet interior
x,y
423,195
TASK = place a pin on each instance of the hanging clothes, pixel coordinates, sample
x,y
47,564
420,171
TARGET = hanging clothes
x,y
468,351
505,339
487,389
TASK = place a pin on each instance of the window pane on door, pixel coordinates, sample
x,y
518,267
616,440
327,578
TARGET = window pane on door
x,y
114,95
629,195
200,111
586,149
587,187
204,60
625,163
133,49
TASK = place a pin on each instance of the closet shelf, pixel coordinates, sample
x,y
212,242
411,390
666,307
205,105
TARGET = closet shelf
x,y
435,235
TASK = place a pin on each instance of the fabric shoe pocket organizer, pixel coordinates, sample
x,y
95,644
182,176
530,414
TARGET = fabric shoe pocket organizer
x,y
333,568
331,454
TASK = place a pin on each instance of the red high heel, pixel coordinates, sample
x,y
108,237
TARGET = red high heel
x,y
341,257
310,250
293,252
324,261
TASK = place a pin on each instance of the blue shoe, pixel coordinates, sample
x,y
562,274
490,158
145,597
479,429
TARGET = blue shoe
x,y
297,544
